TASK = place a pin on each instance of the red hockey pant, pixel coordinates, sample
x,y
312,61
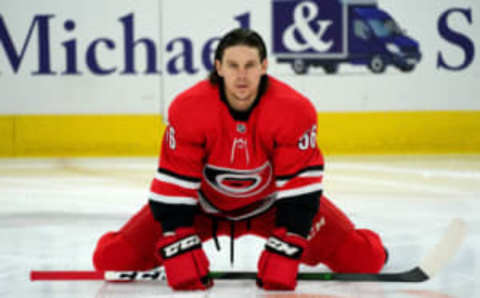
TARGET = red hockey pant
x,y
333,241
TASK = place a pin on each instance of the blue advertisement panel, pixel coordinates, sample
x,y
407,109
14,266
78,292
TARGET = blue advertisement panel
x,y
329,32
307,26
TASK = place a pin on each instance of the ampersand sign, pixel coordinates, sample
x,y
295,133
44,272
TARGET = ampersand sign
x,y
313,40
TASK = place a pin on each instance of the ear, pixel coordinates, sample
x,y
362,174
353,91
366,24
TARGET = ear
x,y
218,67
264,66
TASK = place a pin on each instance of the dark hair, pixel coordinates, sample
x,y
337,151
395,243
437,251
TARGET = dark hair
x,y
239,36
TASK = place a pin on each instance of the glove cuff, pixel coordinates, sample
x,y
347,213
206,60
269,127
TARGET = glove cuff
x,y
183,241
286,244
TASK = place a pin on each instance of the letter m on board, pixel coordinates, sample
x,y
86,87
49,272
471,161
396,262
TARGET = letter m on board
x,y
16,54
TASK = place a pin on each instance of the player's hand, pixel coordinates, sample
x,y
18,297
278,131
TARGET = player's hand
x,y
186,264
278,264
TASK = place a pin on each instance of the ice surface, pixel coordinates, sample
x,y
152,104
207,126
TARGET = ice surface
x,y
53,211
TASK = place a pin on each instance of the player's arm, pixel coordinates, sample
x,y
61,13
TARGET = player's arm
x,y
299,171
173,202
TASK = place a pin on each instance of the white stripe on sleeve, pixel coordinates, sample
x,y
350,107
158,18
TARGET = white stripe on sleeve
x,y
177,181
299,191
309,174
172,200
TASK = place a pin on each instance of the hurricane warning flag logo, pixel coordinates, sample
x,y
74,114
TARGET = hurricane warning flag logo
x,y
238,183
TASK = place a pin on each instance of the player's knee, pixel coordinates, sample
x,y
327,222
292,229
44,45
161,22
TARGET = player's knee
x,y
113,252
361,252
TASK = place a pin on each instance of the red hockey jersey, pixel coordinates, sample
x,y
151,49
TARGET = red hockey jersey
x,y
237,169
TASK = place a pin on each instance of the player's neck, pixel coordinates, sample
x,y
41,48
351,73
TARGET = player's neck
x,y
243,115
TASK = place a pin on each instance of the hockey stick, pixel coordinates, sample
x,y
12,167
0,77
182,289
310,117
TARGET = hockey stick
x,y
414,275
438,257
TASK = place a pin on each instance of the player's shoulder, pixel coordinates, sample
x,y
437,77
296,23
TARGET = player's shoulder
x,y
286,114
285,101
194,101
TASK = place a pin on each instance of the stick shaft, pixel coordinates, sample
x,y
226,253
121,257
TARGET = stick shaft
x,y
66,275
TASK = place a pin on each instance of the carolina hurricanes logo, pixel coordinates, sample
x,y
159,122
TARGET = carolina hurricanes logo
x,y
238,183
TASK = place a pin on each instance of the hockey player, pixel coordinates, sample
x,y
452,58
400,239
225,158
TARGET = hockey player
x,y
239,156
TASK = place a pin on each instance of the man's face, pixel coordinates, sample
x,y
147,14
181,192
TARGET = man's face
x,y
241,70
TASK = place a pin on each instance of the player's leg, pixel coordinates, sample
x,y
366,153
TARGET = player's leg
x,y
133,246
130,248
335,242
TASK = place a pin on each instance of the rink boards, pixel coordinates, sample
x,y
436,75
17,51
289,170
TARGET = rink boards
x,y
339,133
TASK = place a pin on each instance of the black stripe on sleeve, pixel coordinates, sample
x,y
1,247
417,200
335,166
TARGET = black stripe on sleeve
x,y
183,177
311,168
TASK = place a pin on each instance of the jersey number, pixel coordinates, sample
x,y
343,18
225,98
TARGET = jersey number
x,y
172,143
308,139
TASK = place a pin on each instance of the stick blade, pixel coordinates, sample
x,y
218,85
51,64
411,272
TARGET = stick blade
x,y
445,249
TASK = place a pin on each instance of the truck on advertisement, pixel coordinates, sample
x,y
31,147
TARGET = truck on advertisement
x,y
327,33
